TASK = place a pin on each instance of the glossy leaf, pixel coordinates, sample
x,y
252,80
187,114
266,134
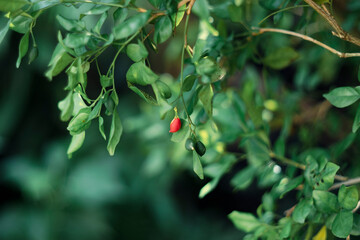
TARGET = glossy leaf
x,y
325,202
76,143
66,106
163,89
100,23
71,25
140,74
131,25
106,81
342,224
206,95
136,52
144,95
59,60
244,221
23,48
12,5
4,31
163,29
343,96
348,197
79,123
115,133
356,123
101,127
188,83
302,210
197,166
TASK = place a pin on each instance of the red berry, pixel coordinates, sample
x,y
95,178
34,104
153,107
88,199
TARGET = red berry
x,y
175,125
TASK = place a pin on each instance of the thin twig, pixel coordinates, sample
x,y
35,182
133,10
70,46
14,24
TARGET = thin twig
x,y
290,162
349,182
307,38
339,31
357,207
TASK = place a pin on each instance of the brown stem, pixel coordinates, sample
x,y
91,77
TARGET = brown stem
x,y
307,38
290,162
357,207
349,182
339,31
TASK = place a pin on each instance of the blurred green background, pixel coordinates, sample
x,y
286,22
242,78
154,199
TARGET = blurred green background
x,y
146,191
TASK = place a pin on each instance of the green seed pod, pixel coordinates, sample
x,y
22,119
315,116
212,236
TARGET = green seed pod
x,y
163,89
190,144
34,52
200,148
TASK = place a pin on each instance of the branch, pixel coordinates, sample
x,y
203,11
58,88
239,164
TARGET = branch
x,y
339,31
357,207
290,162
349,182
307,38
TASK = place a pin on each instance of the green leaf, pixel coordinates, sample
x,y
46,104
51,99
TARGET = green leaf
x,y
290,185
206,66
342,224
270,4
106,81
164,89
76,143
100,23
281,57
356,225
163,29
348,197
178,16
325,202
327,176
342,97
96,110
243,178
302,210
59,60
188,83
23,48
140,74
244,221
358,71
197,167
115,133
180,135
12,5
79,123
4,31
21,24
77,40
356,123
71,25
120,15
66,107
206,95
97,9
205,190
136,52
101,127
144,95
198,49
33,54
131,25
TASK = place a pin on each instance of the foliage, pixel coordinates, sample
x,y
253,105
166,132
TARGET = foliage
x,y
242,94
